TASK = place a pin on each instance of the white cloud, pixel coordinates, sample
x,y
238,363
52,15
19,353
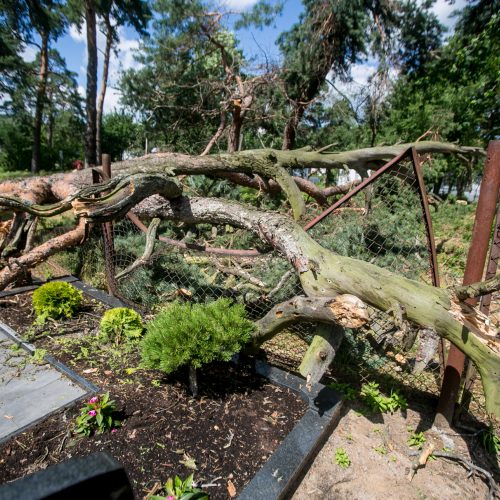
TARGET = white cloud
x,y
29,53
78,36
443,9
239,4
111,101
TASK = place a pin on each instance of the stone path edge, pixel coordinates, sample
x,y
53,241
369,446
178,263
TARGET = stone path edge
x,y
281,474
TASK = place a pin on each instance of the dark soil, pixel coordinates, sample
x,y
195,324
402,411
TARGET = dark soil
x,y
229,430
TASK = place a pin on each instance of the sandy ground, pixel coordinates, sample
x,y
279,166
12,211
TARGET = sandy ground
x,y
380,461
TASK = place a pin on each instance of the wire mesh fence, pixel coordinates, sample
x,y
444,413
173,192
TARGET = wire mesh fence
x,y
383,224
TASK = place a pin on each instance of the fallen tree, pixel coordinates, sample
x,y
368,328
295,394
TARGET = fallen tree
x,y
337,287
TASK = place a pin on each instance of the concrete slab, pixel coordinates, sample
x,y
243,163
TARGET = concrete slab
x,y
29,391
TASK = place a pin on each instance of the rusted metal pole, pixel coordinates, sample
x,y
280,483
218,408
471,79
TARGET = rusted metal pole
x,y
476,258
107,231
491,270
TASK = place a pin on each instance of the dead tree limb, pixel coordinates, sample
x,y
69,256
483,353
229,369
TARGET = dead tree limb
x,y
478,289
16,268
345,310
148,250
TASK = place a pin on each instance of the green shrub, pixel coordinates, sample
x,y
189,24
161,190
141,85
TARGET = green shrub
x,y
120,323
194,334
56,300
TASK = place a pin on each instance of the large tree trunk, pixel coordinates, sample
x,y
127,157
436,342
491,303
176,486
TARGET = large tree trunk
x,y
290,133
40,97
90,130
323,275
233,142
104,83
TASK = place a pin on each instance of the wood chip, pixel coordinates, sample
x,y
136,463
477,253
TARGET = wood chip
x,y
231,489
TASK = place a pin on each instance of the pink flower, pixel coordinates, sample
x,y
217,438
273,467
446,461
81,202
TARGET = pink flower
x,y
93,400
170,497
92,413
113,431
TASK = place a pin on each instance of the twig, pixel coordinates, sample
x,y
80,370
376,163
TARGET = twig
x,y
4,302
230,439
280,284
21,445
61,444
493,490
212,482
42,458
241,273
155,489
422,460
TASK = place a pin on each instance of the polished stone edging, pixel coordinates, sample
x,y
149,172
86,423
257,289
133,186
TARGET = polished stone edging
x,y
283,471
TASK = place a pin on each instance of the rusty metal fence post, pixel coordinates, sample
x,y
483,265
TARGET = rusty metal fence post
x,y
491,270
474,268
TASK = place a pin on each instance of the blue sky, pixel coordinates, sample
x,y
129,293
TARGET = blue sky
x,y
254,41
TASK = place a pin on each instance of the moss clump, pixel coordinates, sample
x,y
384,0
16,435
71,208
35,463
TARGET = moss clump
x,y
195,334
56,300
120,323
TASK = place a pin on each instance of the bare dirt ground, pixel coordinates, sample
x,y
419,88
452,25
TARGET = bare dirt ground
x,y
380,461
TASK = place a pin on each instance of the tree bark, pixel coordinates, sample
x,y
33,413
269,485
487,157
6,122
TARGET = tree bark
x,y
323,274
16,268
290,132
104,83
91,93
233,143
40,98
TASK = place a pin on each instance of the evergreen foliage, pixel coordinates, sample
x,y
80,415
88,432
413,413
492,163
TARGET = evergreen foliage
x,y
56,300
121,323
195,334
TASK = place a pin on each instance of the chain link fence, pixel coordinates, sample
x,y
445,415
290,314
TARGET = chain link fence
x,y
382,224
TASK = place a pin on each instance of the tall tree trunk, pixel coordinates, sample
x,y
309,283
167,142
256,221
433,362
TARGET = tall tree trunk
x,y
290,132
104,83
40,97
50,120
90,131
233,142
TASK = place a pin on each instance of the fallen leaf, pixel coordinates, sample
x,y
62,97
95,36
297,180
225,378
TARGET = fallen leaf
x,y
9,417
231,489
400,358
131,435
90,370
188,461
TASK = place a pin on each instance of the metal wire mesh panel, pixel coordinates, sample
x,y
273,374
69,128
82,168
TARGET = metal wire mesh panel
x,y
384,225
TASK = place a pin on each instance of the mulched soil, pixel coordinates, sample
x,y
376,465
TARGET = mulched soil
x,y
229,431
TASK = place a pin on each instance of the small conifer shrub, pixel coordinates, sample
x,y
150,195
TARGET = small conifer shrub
x,y
57,299
119,324
195,334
